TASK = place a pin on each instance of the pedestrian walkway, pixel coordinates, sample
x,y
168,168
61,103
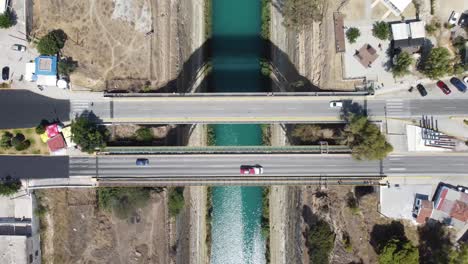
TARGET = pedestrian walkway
x,y
397,108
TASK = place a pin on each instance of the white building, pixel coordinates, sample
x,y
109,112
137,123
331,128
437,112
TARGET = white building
x,y
396,6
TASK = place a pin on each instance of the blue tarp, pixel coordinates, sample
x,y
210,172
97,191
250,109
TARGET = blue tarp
x,y
52,70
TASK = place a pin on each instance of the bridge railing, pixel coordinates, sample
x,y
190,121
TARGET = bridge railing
x,y
325,93
224,150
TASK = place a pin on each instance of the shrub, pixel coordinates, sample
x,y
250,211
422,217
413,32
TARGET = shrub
x,y
52,43
19,142
123,201
320,241
353,34
176,200
397,251
40,129
402,63
5,141
66,65
438,63
301,13
381,30
6,20
144,134
9,187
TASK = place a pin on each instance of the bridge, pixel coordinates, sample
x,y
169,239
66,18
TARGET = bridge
x,y
258,109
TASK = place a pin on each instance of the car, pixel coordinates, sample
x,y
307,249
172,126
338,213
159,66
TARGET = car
x,y
421,90
18,47
458,84
142,162
453,18
5,73
336,104
443,87
465,79
251,169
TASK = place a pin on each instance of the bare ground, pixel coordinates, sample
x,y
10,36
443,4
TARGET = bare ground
x,y
107,38
77,232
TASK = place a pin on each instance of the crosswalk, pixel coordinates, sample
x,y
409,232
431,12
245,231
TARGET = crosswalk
x,y
80,108
397,108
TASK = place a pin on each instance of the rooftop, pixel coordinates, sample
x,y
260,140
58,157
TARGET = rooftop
x,y
46,65
56,143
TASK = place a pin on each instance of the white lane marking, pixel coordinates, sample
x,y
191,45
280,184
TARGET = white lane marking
x,y
397,169
395,159
394,100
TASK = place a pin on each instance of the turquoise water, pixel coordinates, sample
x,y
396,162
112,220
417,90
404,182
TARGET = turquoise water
x,y
236,49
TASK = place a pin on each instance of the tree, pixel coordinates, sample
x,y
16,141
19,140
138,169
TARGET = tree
x,y
460,255
438,63
52,43
66,66
40,129
403,61
176,200
9,187
352,34
312,133
144,134
19,142
299,13
397,251
381,30
365,139
320,241
88,135
123,201
6,20
5,141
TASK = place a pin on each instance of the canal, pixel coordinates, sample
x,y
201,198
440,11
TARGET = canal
x,y
236,50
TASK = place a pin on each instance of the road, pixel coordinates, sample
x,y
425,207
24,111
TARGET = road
x,y
295,167
268,109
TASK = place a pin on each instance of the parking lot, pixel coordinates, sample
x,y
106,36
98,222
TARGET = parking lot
x,y
13,59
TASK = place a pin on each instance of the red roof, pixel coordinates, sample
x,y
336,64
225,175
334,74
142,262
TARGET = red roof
x,y
56,143
52,130
425,212
460,211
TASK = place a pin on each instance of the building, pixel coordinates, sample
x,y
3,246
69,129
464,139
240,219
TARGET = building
x,y
408,36
449,206
19,238
43,71
396,6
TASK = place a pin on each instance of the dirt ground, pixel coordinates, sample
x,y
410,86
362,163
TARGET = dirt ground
x,y
77,232
311,51
108,39
37,146
359,224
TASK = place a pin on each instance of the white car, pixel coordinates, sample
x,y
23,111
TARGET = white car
x,y
18,47
465,79
453,18
336,104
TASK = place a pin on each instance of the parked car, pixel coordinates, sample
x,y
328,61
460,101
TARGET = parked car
x,y
336,104
251,169
453,18
421,90
5,73
142,162
443,87
458,84
18,47
465,79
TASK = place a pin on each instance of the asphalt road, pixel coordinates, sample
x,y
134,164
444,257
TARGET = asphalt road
x,y
34,167
268,109
199,166
22,109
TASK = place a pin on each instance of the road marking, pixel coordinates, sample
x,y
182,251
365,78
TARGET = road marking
x,y
397,169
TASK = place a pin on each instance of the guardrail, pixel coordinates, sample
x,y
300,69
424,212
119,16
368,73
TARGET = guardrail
x,y
327,93
225,150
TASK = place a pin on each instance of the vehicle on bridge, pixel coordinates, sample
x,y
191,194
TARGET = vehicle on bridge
x,y
252,170
442,86
142,162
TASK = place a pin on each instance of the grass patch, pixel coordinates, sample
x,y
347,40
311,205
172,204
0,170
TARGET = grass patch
x,y
176,200
320,241
211,135
352,203
123,201
36,147
265,222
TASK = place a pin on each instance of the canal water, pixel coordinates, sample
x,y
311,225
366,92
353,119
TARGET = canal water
x,y
236,49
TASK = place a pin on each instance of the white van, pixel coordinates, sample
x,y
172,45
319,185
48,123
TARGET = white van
x,y
3,6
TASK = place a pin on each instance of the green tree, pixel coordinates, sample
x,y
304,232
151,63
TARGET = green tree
x,y
365,139
320,241
88,135
460,255
40,129
66,66
19,142
144,134
5,141
9,187
381,30
299,13
397,251
52,43
438,63
6,20
176,200
353,34
402,63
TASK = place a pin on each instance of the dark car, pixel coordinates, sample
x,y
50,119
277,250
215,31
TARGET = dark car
x,y
5,73
458,84
443,87
421,90
142,162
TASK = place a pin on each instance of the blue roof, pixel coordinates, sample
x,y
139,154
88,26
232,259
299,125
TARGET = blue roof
x,y
46,65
